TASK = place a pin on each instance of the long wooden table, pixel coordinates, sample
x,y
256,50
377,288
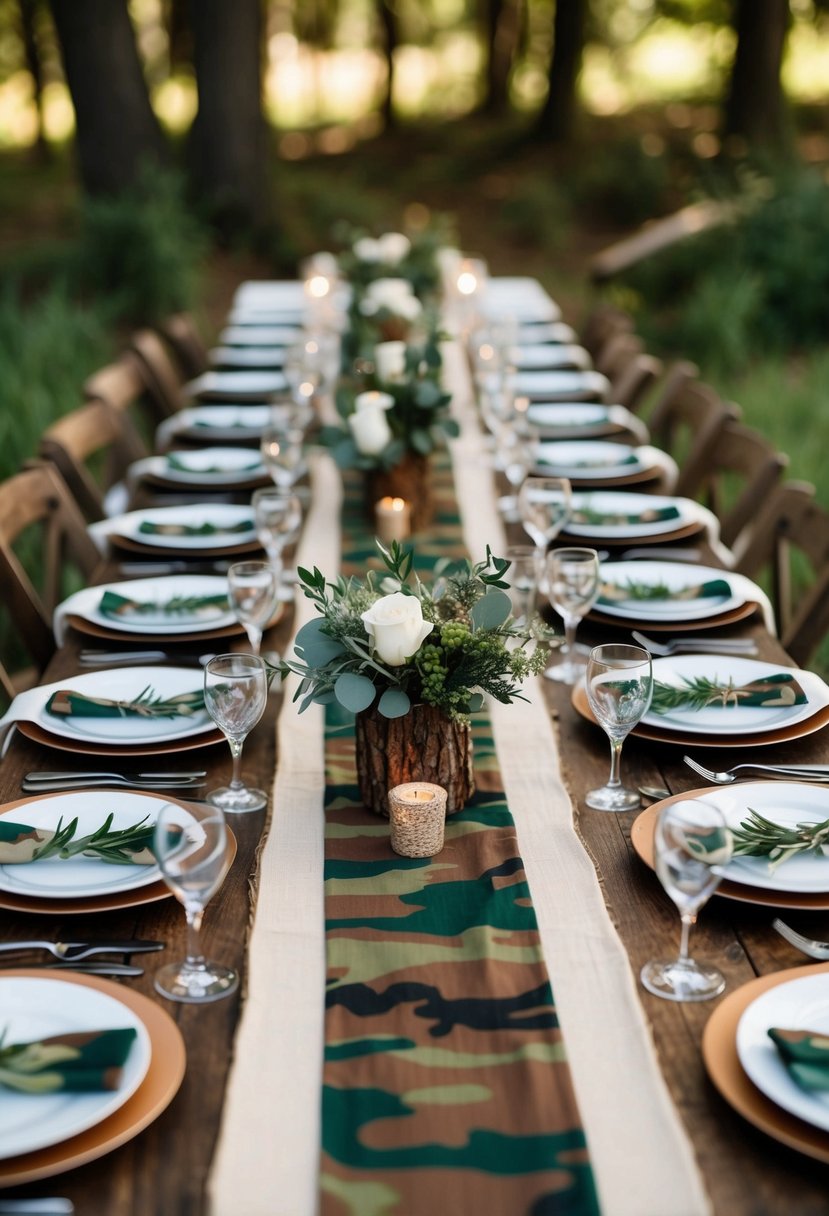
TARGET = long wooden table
x,y
165,1168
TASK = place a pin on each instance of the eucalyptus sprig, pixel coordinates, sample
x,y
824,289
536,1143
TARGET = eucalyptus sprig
x,y
760,837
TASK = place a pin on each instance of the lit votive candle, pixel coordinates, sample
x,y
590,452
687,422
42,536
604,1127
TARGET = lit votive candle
x,y
417,813
392,519
373,399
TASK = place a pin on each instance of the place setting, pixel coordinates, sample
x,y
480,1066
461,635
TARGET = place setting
x,y
248,357
215,424
208,469
583,420
618,518
259,335
562,385
675,596
217,529
550,356
244,385
598,462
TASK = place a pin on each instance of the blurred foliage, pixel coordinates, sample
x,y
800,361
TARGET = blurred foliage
x,y
758,283
622,183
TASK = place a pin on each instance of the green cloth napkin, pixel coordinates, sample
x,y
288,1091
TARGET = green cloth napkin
x,y
81,1062
805,1054
600,463
205,529
181,466
114,605
619,593
66,703
586,515
780,689
20,843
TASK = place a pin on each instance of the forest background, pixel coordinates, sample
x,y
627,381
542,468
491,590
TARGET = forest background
x,y
152,154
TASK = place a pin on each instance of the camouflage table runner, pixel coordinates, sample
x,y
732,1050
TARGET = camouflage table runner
x,y
445,1082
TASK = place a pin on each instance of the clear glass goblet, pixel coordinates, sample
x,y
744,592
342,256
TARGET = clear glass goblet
x,y
691,845
572,588
253,591
282,455
523,580
235,696
544,504
190,845
619,682
277,516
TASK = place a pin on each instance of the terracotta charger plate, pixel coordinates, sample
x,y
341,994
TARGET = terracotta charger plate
x,y
720,621
692,528
641,837
93,629
168,483
83,748
642,731
719,1051
204,555
154,1094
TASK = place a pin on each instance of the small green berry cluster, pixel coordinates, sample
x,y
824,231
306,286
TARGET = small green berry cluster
x,y
454,634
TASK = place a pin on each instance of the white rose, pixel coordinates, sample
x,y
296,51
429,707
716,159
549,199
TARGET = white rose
x,y
370,430
396,627
394,247
386,293
390,361
368,250
408,307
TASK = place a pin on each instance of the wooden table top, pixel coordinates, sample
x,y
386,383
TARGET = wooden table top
x,y
164,1170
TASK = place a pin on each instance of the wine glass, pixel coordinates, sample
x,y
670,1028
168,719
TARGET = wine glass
x,y
277,516
544,504
253,591
691,845
235,696
572,588
619,682
282,455
523,580
190,845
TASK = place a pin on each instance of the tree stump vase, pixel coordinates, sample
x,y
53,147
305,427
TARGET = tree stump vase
x,y
422,745
409,479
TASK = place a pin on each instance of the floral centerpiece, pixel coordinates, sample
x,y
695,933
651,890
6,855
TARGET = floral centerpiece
x,y
392,422
412,256
412,660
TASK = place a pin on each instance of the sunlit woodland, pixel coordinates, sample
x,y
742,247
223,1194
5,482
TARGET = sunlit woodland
x,y
155,152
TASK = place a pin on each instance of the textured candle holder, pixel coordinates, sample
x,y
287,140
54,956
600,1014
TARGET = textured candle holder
x,y
417,811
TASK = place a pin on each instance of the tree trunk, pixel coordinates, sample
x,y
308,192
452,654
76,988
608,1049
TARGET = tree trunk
x,y
500,36
227,143
117,132
755,107
557,119
28,30
423,745
389,24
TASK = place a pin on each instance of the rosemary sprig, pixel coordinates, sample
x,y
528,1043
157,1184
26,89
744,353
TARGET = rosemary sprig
x,y
113,604
632,590
696,692
119,846
760,837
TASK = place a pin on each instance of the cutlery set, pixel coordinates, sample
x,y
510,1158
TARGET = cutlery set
x,y
85,956
52,782
130,658
742,646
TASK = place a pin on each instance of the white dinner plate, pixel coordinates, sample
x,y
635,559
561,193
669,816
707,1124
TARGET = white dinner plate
x,y
236,384
259,335
617,502
34,1009
674,575
269,293
210,423
531,332
567,413
784,802
221,515
126,684
159,591
802,1004
211,466
564,385
535,357
247,356
255,317
80,877
587,459
733,719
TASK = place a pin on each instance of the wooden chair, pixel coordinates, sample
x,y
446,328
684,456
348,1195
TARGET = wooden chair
x,y
631,383
604,323
184,339
127,385
743,470
791,526
162,379
687,421
42,530
92,447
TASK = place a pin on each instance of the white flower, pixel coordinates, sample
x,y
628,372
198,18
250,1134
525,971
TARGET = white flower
x,y
387,292
396,627
369,425
368,250
394,247
390,361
